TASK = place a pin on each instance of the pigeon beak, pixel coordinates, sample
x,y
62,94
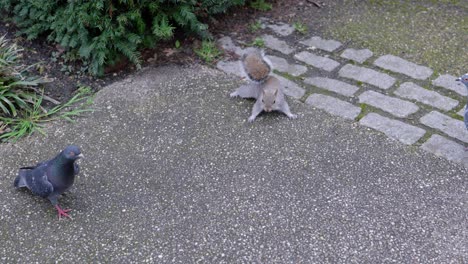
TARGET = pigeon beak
x,y
80,156
458,79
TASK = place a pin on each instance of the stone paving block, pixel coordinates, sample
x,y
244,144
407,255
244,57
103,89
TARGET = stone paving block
x,y
277,44
227,44
397,64
282,29
323,44
410,90
317,61
334,106
291,88
231,67
450,126
283,65
360,55
392,105
395,129
333,85
378,79
462,111
445,148
448,82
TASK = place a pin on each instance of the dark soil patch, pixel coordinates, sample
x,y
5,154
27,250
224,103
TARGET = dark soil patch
x,y
40,52
66,77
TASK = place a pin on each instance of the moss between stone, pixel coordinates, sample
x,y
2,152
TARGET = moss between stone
x,y
430,32
288,76
364,110
452,95
423,139
455,116
306,95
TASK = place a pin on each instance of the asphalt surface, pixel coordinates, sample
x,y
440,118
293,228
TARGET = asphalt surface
x,y
174,173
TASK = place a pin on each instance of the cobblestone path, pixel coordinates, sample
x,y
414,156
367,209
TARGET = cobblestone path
x,y
406,101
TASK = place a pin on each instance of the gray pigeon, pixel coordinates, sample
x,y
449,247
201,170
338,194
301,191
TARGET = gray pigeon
x,y
464,79
49,179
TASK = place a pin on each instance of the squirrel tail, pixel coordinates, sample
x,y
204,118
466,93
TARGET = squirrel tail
x,y
256,65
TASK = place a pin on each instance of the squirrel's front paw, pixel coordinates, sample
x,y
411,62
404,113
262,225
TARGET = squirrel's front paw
x,y
234,94
292,116
251,119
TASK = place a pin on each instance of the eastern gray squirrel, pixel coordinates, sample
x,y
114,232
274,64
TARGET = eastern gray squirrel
x,y
264,87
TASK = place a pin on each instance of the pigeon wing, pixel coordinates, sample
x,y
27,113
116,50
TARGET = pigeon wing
x,y
38,183
33,167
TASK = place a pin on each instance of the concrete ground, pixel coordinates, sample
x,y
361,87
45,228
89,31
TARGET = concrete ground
x,y
174,173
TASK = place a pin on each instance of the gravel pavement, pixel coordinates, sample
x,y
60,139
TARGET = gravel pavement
x,y
174,174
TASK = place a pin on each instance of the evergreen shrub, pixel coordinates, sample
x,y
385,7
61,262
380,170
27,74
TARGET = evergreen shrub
x,y
102,31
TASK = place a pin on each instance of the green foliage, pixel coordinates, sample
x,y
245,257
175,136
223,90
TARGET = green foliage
x,y
258,42
300,27
261,5
21,112
15,86
33,118
456,116
215,6
255,26
177,44
364,111
102,32
208,51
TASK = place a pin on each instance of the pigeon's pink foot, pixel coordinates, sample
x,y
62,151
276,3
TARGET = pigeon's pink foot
x,y
62,212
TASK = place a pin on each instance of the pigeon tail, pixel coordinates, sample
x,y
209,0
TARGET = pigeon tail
x,y
20,180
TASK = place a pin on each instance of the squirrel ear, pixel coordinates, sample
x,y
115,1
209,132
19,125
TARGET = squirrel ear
x,y
276,92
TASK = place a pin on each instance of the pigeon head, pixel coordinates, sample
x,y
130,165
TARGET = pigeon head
x,y
463,79
72,153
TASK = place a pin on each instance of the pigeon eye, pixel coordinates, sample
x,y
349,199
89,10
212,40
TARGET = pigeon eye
x,y
466,79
